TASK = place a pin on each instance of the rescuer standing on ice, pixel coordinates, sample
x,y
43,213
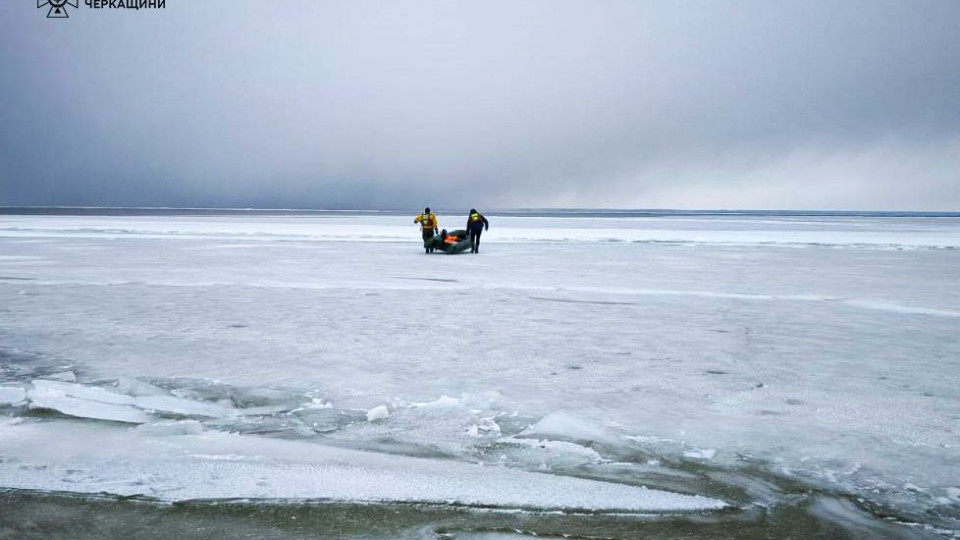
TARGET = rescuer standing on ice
x,y
476,224
428,224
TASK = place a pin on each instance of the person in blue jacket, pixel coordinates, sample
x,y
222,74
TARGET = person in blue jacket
x,y
476,224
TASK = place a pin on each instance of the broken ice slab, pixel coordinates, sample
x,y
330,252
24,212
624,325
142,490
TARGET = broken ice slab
x,y
183,407
61,400
103,404
79,391
215,465
10,395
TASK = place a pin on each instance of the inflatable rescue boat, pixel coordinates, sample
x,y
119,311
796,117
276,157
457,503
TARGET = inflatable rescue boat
x,y
449,242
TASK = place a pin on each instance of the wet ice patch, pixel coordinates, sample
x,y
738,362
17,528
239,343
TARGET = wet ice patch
x,y
327,419
248,401
136,387
854,520
257,400
543,454
444,425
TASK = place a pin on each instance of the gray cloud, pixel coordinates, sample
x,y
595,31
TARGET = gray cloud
x,y
372,104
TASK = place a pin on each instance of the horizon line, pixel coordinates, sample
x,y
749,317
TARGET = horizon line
x,y
571,209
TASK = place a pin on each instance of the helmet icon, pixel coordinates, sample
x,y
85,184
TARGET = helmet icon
x,y
58,8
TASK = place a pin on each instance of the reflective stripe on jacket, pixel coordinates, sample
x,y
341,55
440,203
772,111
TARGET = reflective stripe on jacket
x,y
426,221
476,220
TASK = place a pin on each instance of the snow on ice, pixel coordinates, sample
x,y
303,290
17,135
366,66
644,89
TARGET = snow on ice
x,y
823,348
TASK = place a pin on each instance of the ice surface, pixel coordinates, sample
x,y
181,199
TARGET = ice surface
x,y
547,453
171,428
219,465
186,407
700,453
11,395
65,376
823,350
58,400
100,403
733,230
379,412
133,387
84,402
566,425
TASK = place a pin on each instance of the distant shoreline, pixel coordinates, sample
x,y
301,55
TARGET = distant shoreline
x,y
516,212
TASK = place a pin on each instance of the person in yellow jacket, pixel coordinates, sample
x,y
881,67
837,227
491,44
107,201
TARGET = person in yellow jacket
x,y
429,226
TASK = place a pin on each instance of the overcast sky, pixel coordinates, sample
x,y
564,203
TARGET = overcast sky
x,y
391,104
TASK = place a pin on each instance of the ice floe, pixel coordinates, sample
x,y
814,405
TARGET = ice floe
x,y
85,402
10,395
567,425
220,465
380,412
545,454
700,453
104,404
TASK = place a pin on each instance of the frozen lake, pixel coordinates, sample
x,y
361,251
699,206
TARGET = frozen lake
x,y
712,368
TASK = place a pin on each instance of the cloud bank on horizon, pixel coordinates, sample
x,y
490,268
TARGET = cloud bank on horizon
x,y
363,104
